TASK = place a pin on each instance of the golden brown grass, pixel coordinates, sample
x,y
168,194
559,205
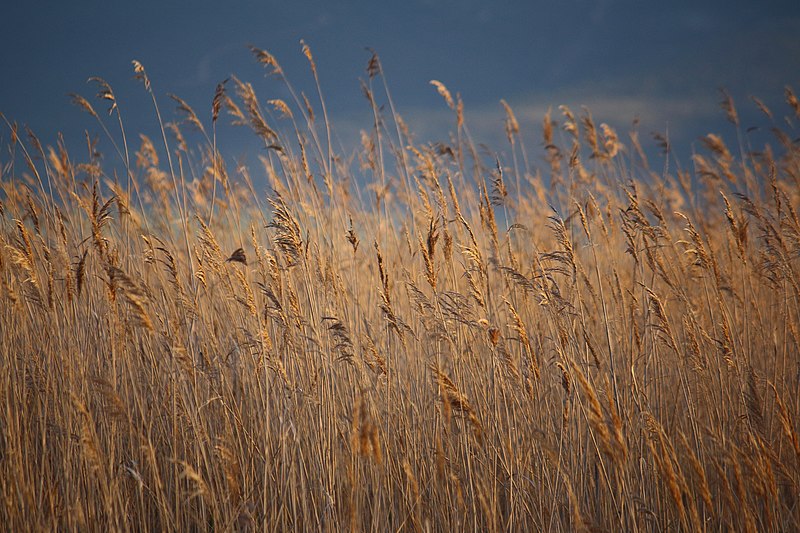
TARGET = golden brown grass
x,y
410,338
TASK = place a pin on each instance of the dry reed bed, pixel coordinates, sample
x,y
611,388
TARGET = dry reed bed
x,y
408,338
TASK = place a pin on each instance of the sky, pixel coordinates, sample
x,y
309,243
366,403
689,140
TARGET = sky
x,y
660,62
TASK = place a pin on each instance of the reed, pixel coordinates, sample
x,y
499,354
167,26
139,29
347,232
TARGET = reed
x,y
606,348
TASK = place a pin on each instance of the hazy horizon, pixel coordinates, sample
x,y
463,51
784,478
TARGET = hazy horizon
x,y
662,65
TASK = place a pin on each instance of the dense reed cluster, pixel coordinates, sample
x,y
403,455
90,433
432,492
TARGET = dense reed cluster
x,y
404,336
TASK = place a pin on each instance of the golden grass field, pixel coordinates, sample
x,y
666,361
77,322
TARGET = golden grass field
x,y
400,337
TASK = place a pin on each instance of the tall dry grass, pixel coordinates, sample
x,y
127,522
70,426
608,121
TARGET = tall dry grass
x,y
407,336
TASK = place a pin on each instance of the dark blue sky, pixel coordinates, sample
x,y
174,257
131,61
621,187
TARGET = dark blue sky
x,y
660,61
